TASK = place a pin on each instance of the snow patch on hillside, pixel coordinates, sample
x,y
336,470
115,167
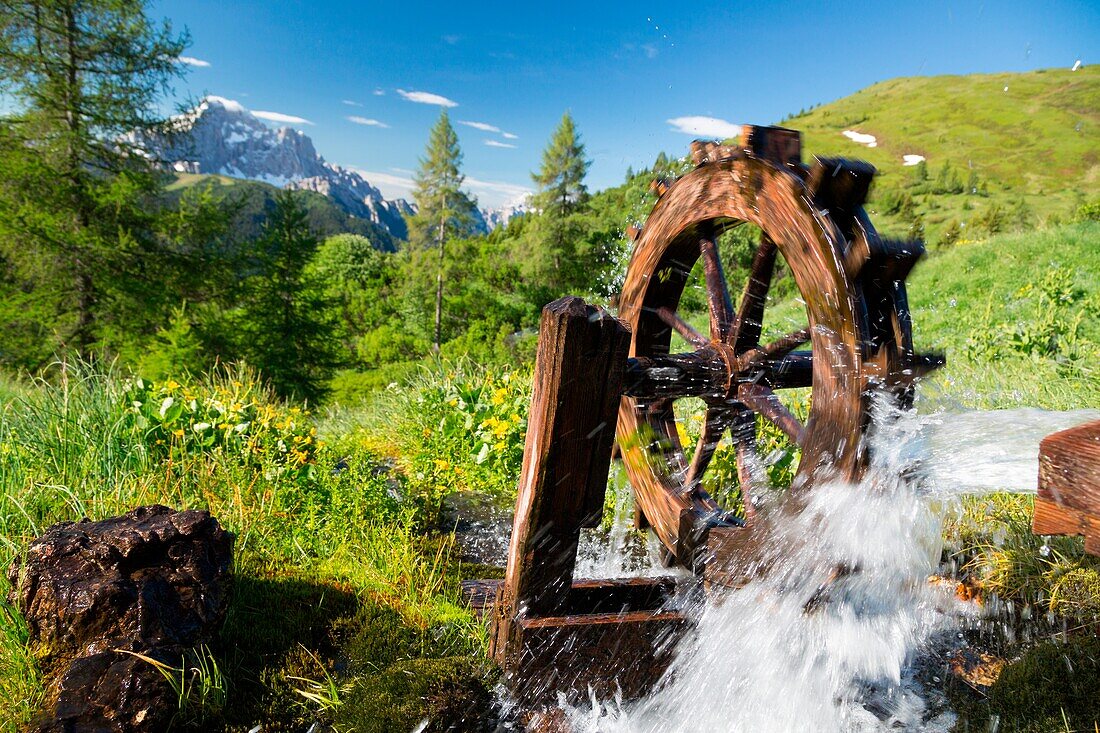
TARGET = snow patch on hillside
x,y
861,137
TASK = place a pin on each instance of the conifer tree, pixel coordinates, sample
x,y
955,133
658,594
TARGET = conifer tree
x,y
76,224
561,195
444,210
286,320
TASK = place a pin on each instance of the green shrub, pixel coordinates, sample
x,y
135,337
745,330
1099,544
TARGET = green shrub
x,y
351,387
1088,211
231,413
457,426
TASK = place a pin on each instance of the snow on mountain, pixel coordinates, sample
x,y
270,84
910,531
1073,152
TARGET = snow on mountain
x,y
221,136
500,217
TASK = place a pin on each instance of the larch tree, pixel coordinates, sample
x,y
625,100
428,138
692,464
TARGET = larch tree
x,y
561,195
77,237
444,210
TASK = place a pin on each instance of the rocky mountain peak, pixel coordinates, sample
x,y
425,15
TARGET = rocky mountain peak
x,y
221,136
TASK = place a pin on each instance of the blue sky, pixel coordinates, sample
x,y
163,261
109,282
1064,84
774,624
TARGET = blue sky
x,y
624,70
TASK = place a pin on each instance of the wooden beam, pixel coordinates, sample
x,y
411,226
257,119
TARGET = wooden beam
x,y
578,379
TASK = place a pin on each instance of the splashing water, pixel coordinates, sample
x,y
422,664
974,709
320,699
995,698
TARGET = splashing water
x,y
825,640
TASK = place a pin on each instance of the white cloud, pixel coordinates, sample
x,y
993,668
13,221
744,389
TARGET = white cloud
x,y
483,126
489,193
427,98
451,40
704,126
498,144
192,61
650,50
393,187
509,136
351,103
366,121
280,117
379,92
496,193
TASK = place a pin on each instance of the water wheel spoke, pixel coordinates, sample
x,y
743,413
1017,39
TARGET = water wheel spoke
x,y
765,402
784,345
718,294
663,420
682,327
743,431
792,371
750,312
713,427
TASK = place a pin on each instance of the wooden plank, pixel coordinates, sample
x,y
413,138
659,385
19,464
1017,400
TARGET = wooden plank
x,y
610,654
481,594
1052,518
578,379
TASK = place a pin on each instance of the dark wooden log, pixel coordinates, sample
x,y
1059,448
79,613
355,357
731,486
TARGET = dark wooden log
x,y
1068,501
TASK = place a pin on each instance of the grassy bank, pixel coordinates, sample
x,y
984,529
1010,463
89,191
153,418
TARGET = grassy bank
x,y
337,577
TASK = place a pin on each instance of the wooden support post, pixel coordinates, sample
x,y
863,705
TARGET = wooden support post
x,y
1068,501
551,634
571,426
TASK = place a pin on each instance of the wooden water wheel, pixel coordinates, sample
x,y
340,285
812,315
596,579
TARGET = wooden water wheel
x,y
856,340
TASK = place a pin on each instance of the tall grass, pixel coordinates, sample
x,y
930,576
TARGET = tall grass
x,y
85,443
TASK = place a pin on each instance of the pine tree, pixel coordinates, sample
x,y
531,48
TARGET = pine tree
x,y
444,210
952,234
77,231
287,320
919,175
561,195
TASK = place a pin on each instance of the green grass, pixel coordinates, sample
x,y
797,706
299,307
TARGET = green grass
x,y
1016,316
346,605
319,555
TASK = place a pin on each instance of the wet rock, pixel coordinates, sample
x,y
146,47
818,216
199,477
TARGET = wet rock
x,y
154,582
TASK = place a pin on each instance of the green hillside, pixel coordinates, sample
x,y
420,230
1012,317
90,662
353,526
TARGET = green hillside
x,y
255,200
1032,139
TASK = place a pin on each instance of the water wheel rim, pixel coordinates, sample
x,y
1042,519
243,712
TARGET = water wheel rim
x,y
775,199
